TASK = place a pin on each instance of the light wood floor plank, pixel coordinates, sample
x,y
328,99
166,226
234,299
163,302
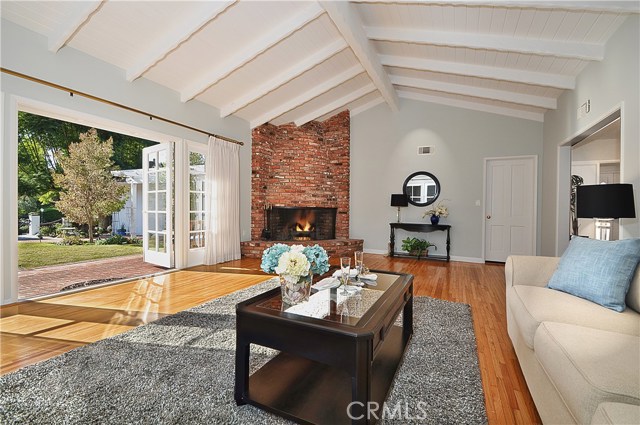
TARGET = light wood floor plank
x,y
97,313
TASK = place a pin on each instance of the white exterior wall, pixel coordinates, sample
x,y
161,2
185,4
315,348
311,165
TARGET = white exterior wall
x,y
134,204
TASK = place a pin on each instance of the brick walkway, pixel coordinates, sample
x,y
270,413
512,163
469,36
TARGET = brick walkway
x,y
50,280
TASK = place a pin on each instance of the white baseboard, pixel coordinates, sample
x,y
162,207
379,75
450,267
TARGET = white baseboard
x,y
453,258
467,259
376,251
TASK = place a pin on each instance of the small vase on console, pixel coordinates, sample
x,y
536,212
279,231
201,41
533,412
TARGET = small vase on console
x,y
435,219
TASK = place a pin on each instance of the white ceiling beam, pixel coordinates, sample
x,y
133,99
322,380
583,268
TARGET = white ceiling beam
x,y
466,90
366,106
528,46
201,14
338,103
345,18
590,6
482,71
482,107
284,77
82,12
264,42
312,93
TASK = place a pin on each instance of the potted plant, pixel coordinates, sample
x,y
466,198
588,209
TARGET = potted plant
x,y
415,246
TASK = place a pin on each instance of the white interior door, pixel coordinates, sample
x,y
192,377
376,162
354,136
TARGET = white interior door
x,y
157,204
510,207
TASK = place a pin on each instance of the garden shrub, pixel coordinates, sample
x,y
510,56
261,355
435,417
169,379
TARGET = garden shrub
x,y
71,240
50,214
49,230
58,230
119,240
113,240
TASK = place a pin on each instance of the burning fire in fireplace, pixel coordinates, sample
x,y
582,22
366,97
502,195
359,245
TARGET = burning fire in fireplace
x,y
307,227
303,231
301,223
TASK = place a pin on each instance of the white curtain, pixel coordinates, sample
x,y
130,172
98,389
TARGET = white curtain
x,y
223,220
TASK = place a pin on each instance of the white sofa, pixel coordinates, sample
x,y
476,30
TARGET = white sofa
x,y
581,361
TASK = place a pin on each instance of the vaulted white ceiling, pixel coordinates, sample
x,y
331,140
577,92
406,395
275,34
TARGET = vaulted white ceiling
x,y
297,61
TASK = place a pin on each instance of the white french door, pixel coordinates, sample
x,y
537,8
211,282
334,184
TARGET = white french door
x,y
510,207
197,201
157,164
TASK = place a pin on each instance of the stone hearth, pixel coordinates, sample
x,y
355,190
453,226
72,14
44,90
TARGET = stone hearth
x,y
336,248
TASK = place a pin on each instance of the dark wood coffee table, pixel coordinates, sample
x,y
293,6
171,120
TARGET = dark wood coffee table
x,y
337,352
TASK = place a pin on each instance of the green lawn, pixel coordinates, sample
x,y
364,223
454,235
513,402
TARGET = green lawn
x,y
38,254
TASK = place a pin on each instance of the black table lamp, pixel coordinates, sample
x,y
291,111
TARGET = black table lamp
x,y
399,200
605,203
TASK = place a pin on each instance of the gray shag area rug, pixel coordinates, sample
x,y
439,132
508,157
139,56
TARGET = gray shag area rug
x,y
180,370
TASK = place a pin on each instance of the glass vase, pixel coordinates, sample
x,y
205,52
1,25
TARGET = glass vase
x,y
295,289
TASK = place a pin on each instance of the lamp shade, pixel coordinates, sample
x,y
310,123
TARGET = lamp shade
x,y
605,201
399,200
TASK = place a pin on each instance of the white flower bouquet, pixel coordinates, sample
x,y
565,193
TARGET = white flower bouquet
x,y
439,211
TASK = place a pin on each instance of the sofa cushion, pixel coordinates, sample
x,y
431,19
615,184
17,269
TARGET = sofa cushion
x,y
633,296
616,413
589,366
599,271
532,305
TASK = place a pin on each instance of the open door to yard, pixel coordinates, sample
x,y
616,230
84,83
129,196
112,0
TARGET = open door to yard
x,y
157,220
55,250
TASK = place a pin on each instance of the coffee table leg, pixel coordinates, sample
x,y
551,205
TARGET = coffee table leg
x,y
407,317
361,385
242,371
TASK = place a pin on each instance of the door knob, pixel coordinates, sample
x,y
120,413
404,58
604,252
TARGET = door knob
x,y
488,217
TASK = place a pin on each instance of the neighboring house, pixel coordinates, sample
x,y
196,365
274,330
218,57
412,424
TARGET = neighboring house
x,y
131,214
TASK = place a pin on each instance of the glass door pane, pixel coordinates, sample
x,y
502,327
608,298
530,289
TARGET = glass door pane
x,y
197,206
157,205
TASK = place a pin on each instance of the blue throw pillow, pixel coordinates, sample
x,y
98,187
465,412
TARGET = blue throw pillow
x,y
598,271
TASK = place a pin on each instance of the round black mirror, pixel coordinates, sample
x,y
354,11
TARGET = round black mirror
x,y
422,188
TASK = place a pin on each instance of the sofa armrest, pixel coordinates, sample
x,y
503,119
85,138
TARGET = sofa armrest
x,y
529,270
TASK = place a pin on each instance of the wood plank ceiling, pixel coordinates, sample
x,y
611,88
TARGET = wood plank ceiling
x,y
297,61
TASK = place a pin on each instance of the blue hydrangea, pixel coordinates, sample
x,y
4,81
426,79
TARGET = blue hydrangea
x,y
271,255
318,258
316,255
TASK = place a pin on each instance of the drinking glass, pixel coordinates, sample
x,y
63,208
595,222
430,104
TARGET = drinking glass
x,y
359,263
345,267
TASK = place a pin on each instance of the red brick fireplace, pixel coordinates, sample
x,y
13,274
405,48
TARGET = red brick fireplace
x,y
305,166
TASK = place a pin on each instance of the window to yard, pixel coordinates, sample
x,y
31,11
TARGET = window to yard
x,y
78,206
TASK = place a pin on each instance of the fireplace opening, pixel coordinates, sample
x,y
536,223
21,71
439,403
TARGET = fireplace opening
x,y
301,223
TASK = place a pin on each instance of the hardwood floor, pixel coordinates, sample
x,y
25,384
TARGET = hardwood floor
x,y
38,330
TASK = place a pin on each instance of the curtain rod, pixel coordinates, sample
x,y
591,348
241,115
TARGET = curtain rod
x,y
118,105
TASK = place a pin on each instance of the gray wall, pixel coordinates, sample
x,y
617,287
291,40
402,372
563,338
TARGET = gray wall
x,y
610,85
384,152
26,52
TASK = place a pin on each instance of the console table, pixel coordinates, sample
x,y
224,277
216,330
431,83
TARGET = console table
x,y
419,227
